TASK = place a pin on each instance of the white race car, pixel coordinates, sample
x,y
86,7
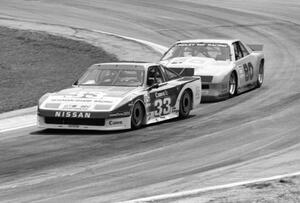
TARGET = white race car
x,y
114,96
226,67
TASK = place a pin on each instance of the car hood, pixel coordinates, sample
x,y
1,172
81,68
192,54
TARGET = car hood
x,y
202,65
88,98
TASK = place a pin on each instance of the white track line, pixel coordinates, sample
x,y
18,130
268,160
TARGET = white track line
x,y
159,48
17,122
206,189
17,128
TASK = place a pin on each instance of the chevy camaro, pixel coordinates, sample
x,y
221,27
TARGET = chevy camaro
x,y
226,67
113,96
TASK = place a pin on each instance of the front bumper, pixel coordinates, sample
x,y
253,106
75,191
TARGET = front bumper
x,y
214,91
110,124
47,119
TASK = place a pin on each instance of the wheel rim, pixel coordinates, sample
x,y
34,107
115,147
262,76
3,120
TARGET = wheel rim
x,y
137,114
186,103
260,75
232,84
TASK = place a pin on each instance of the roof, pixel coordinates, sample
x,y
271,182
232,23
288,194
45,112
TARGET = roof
x,y
223,41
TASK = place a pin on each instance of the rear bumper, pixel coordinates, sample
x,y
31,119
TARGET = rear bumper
x,y
108,124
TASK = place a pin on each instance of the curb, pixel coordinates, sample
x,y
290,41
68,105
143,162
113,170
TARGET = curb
x,y
19,112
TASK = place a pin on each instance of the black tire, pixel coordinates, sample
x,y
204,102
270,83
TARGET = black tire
x,y
185,105
260,75
137,115
232,85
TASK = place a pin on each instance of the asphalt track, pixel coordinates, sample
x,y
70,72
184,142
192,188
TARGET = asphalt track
x,y
254,135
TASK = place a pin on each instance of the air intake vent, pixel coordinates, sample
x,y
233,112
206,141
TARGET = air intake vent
x,y
75,121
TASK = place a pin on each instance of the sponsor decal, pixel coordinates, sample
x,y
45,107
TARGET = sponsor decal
x,y
89,95
70,100
76,107
119,114
161,94
115,122
68,114
104,101
85,94
202,44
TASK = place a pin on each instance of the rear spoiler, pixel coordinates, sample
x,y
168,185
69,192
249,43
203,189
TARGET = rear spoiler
x,y
256,47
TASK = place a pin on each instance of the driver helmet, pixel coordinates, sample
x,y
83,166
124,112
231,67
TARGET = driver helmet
x,y
188,51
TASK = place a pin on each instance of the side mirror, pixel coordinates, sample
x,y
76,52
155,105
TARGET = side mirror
x,y
75,83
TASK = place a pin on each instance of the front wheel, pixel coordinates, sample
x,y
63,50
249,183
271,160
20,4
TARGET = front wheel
x,y
232,85
260,76
185,105
137,115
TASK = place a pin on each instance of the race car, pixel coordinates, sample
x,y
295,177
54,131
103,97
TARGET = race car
x,y
226,67
115,96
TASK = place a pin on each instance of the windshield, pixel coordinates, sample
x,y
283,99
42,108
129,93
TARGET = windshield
x,y
112,77
217,51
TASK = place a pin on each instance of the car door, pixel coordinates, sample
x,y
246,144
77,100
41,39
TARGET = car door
x,y
162,95
244,64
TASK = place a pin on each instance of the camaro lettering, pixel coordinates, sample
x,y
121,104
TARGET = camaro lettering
x,y
69,114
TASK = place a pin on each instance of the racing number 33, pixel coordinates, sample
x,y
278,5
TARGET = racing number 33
x,y
162,106
248,71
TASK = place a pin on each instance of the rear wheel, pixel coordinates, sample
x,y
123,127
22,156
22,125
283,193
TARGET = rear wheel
x,y
260,76
232,85
137,115
185,105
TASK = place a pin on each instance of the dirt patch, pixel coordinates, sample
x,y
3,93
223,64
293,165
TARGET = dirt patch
x,y
282,190
32,63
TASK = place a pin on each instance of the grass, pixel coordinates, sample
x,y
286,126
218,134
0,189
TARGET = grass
x,y
33,63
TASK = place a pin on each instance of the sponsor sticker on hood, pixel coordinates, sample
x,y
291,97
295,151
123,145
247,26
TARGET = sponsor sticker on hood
x,y
83,99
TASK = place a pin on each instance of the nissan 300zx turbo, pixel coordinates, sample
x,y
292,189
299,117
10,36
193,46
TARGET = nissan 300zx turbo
x,y
114,96
226,67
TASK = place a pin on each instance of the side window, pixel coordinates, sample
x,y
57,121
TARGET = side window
x,y
244,50
237,51
154,76
170,74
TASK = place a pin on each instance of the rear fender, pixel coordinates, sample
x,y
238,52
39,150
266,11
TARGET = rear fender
x,y
195,88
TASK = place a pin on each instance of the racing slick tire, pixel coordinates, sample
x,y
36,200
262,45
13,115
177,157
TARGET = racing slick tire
x,y
232,87
137,115
260,75
185,105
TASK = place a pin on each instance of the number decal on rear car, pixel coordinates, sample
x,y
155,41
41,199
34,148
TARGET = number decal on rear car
x,y
248,68
162,106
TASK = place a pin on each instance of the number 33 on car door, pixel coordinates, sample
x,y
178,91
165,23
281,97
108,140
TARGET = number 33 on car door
x,y
162,106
